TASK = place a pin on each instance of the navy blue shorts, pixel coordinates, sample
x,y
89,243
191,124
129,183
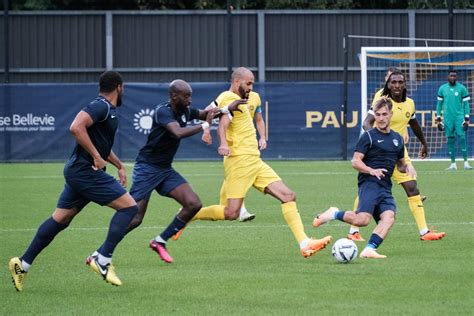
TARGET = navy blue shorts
x,y
375,199
148,177
84,184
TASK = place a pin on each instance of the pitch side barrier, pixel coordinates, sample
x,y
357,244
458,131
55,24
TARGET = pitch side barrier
x,y
303,119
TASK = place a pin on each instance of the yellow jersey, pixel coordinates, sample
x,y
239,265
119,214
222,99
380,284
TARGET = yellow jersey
x,y
403,112
241,134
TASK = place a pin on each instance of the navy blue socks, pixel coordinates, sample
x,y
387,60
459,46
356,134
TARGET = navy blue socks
x,y
117,229
45,234
176,225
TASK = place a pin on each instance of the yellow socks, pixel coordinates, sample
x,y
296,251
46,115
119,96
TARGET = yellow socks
x,y
211,213
293,219
418,211
356,205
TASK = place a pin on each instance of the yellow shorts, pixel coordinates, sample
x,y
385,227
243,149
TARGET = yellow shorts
x,y
399,177
243,171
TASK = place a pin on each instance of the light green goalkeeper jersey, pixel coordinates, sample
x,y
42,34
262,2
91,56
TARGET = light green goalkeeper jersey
x,y
453,101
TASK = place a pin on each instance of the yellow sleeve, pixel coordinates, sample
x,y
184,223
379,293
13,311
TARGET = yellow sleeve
x,y
226,98
377,96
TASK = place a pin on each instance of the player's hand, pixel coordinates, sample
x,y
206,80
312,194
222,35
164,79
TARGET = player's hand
x,y
465,124
410,170
262,144
206,136
234,106
223,151
211,114
439,124
440,127
423,152
99,163
122,177
378,173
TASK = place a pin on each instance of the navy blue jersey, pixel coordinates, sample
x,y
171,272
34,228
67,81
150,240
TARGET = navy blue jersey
x,y
101,132
161,145
381,150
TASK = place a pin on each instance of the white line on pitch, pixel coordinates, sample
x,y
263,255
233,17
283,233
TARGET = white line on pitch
x,y
246,226
316,173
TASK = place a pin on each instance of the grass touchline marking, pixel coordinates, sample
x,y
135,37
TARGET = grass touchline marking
x,y
245,226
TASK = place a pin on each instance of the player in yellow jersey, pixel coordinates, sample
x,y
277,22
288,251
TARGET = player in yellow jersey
x,y
255,109
403,115
244,168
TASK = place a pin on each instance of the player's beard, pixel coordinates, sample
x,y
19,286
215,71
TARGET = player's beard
x,y
119,99
243,94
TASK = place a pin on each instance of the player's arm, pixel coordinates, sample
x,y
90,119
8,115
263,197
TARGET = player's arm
x,y
113,159
415,126
262,141
360,166
223,149
439,110
78,129
403,167
369,120
467,109
183,132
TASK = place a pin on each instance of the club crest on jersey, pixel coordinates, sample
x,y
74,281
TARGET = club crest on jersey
x,y
456,93
395,142
407,114
183,118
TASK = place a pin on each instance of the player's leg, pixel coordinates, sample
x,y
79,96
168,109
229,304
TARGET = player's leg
x,y
240,174
354,233
244,215
368,198
384,224
450,132
103,189
69,205
138,218
191,204
417,209
461,134
269,182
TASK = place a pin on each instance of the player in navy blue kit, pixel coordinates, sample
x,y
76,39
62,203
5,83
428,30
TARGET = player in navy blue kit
x,y
153,169
86,180
377,153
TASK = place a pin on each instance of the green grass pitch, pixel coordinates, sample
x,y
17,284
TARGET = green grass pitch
x,y
243,268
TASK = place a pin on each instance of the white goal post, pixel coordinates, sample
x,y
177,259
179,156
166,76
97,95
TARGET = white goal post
x,y
425,68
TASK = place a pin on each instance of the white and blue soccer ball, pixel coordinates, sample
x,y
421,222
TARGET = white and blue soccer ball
x,y
344,250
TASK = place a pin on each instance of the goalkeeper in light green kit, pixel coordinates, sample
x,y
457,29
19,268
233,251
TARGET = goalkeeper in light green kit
x,y
453,104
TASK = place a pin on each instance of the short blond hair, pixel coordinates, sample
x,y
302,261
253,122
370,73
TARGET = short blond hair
x,y
380,103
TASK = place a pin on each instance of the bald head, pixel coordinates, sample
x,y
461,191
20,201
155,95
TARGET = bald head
x,y
241,73
179,86
180,95
242,82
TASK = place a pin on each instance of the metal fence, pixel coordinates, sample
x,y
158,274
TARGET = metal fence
x,y
154,46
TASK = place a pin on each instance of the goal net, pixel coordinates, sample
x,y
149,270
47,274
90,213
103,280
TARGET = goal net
x,y
425,69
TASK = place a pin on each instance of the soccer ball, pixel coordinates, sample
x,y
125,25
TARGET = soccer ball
x,y
344,250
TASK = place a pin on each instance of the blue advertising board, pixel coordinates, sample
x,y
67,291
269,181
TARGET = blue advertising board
x,y
304,119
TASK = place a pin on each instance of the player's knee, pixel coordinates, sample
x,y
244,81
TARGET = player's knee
x,y
389,220
193,206
289,196
411,188
361,221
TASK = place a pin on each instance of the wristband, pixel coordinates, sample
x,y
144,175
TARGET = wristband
x,y
205,125
225,110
